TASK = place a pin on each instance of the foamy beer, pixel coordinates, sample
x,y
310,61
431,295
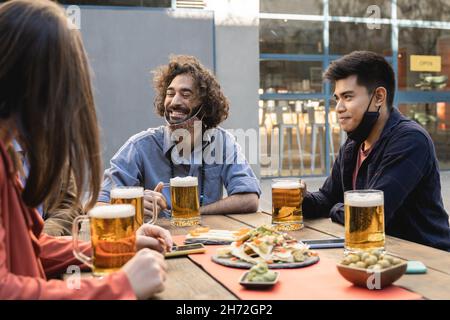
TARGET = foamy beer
x,y
113,237
133,196
364,220
185,204
287,198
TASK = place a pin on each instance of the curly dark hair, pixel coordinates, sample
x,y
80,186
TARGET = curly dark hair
x,y
215,104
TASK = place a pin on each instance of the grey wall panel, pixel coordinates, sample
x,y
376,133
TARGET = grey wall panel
x,y
237,64
238,72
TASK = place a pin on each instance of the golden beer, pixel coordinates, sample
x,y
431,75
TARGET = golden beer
x,y
113,237
287,198
185,203
133,196
364,220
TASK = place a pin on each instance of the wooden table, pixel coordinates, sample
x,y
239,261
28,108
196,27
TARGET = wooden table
x,y
188,281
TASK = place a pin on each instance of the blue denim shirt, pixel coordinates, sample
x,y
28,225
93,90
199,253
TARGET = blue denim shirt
x,y
404,166
144,160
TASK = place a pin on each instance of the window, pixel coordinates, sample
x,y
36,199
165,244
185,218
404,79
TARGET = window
x,y
348,37
358,8
336,135
293,54
431,10
423,42
435,118
302,125
129,3
290,36
290,76
291,6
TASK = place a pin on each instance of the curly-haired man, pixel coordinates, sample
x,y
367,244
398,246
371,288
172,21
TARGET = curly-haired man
x,y
190,99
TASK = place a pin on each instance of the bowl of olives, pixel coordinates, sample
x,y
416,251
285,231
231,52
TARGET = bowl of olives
x,y
371,269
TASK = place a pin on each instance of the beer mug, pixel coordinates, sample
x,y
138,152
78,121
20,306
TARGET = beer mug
x,y
134,196
364,220
287,198
185,203
113,237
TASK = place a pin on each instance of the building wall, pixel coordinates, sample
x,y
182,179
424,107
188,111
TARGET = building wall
x,y
237,63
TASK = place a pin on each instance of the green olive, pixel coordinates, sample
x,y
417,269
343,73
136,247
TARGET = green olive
x,y
384,263
387,258
396,261
376,252
353,257
361,264
364,256
370,267
371,260
360,254
346,261
352,265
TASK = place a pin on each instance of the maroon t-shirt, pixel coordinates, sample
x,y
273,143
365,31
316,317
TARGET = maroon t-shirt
x,y
362,155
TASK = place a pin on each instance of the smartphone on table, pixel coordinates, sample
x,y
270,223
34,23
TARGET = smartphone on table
x,y
186,249
325,243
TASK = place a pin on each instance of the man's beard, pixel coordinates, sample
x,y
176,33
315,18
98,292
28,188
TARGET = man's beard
x,y
187,123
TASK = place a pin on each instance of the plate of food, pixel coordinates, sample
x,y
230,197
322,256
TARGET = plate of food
x,y
265,244
207,236
259,277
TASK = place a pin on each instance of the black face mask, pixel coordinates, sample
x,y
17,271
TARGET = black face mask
x,y
363,130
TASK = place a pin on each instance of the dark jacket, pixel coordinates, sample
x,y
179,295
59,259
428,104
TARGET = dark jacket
x,y
59,215
61,208
404,166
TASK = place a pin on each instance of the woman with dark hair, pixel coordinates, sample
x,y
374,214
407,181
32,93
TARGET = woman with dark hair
x,y
46,103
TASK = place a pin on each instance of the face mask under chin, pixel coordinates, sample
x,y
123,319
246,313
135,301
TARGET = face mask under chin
x,y
362,132
186,123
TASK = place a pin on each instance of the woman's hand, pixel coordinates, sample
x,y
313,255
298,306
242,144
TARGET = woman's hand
x,y
153,237
146,272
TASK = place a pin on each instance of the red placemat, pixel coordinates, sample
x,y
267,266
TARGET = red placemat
x,y
320,281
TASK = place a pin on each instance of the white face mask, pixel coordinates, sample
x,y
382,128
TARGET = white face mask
x,y
184,124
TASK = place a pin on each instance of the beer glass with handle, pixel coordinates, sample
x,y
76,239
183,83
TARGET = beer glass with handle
x,y
287,199
134,196
113,237
364,220
185,202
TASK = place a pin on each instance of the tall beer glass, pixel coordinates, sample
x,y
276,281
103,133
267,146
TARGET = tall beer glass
x,y
185,203
364,220
113,237
133,196
287,198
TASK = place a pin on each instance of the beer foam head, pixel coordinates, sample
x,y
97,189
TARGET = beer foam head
x,y
362,199
112,211
184,182
127,193
288,184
